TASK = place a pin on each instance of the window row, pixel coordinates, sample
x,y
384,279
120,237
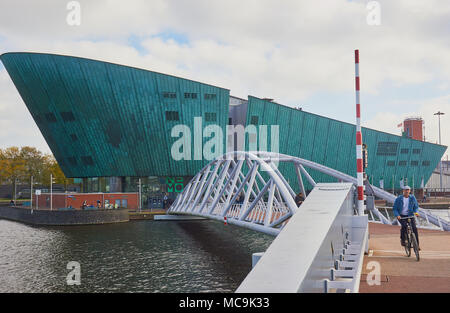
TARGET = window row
x,y
189,95
405,163
406,151
51,118
86,160
174,116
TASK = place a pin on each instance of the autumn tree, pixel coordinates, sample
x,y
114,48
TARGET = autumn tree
x,y
20,164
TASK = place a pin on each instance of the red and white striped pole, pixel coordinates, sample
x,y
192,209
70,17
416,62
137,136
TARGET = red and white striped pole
x,y
359,160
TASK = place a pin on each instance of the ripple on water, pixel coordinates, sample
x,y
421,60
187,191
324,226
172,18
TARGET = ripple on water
x,y
144,256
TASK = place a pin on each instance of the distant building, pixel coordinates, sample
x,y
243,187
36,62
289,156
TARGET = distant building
x,y
435,180
413,128
110,127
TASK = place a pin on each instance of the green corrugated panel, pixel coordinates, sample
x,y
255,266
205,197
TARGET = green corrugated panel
x,y
308,137
418,170
120,120
370,138
332,143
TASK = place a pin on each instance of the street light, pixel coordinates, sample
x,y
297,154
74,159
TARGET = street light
x,y
51,191
439,113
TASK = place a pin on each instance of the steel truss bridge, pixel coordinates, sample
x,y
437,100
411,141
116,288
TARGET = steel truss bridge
x,y
231,188
319,245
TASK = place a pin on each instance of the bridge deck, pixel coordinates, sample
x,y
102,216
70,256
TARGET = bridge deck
x,y
402,274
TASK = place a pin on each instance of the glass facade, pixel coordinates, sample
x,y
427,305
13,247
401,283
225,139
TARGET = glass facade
x,y
153,188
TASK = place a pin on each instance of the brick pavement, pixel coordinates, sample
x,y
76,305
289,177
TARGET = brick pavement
x,y
400,274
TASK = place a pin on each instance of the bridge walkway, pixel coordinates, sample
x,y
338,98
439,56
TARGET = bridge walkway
x,y
402,274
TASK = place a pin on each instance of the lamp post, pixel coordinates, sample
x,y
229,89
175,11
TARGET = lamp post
x,y
15,190
140,194
51,191
439,113
31,193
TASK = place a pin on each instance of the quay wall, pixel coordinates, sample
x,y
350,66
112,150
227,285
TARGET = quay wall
x,y
64,217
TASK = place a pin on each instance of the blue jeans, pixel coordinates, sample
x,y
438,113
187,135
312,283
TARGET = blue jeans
x,y
404,228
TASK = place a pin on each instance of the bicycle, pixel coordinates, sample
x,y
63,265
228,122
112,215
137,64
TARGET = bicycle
x,y
411,240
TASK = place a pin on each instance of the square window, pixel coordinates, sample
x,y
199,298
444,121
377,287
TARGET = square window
x,y
87,160
72,161
67,116
210,117
169,95
190,95
254,120
387,148
172,116
210,96
50,117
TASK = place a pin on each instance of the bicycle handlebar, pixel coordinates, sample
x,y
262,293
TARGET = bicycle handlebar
x,y
407,217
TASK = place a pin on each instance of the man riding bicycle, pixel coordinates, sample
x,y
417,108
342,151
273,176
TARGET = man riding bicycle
x,y
404,206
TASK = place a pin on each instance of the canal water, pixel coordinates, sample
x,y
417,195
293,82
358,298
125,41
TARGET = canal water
x,y
140,256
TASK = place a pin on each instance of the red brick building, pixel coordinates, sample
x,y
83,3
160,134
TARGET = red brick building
x,y
413,128
64,200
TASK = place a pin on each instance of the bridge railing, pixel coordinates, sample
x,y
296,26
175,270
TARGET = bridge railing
x,y
215,189
321,249
441,217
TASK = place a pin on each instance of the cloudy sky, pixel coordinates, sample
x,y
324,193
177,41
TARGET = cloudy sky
x,y
298,52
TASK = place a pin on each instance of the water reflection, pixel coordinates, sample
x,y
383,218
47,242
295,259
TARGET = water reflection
x,y
144,256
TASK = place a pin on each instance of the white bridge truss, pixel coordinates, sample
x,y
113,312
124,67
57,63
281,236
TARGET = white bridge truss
x,y
232,189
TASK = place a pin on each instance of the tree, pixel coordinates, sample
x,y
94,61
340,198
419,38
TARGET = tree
x,y
20,164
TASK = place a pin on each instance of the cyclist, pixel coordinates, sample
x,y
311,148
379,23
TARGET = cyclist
x,y
404,206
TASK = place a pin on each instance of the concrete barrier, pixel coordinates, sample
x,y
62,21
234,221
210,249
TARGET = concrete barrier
x,y
302,258
63,217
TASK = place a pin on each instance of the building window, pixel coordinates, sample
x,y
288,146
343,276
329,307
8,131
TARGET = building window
x,y
72,161
87,160
190,95
73,137
210,96
404,151
390,163
169,95
67,116
425,163
254,120
38,119
50,117
402,163
414,163
387,148
172,116
416,151
210,117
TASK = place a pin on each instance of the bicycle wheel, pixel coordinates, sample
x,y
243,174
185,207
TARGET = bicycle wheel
x,y
415,246
408,246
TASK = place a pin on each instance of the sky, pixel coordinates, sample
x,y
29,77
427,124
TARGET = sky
x,y
299,53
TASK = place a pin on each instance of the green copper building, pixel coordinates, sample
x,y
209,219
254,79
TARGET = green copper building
x,y
109,125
